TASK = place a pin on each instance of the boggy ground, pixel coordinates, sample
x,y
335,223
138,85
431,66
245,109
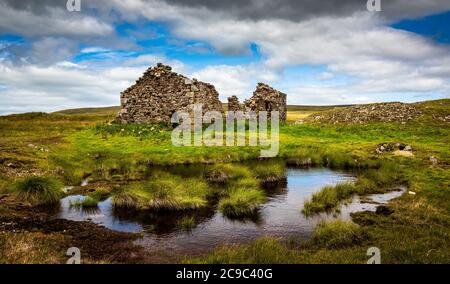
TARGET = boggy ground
x,y
73,145
29,235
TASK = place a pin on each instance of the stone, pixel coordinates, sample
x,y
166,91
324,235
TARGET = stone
x,y
266,98
233,104
399,149
442,118
384,210
361,114
434,160
403,153
160,92
307,162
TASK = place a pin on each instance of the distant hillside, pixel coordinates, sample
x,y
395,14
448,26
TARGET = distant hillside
x,y
93,110
114,109
313,108
437,109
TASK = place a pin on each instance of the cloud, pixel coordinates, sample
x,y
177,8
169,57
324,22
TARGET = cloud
x,y
325,76
61,49
51,18
359,45
94,49
292,10
146,60
235,80
61,86
31,87
378,62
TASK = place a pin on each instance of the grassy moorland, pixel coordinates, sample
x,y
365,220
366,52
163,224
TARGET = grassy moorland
x,y
69,146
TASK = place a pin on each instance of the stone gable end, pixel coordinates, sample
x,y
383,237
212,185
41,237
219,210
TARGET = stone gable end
x,y
266,98
160,92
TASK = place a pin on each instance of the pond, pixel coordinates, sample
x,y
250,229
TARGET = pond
x,y
280,217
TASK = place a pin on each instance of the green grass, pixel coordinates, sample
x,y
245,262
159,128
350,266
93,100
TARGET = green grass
x,y
111,111
186,223
262,251
328,198
338,234
226,173
39,190
85,202
81,142
242,202
380,180
240,193
268,173
163,192
100,194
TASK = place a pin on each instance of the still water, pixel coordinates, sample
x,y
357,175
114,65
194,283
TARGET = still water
x,y
280,217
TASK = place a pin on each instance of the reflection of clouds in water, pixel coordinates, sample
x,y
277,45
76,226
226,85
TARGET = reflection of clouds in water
x,y
280,217
369,203
102,214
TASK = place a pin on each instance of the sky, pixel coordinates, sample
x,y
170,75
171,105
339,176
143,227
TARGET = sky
x,y
318,52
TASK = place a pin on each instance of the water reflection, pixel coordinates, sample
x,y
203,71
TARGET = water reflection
x,y
196,232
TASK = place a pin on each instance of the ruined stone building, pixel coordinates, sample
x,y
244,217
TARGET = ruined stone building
x,y
160,92
233,104
266,98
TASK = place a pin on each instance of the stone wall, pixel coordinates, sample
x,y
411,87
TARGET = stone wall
x,y
359,114
266,98
160,92
233,104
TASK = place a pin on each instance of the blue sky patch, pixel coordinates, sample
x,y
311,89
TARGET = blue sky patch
x,y
435,27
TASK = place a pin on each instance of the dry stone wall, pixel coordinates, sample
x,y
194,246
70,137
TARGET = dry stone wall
x,y
266,98
160,92
233,104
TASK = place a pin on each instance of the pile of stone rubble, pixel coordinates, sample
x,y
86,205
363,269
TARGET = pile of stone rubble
x,y
389,147
382,112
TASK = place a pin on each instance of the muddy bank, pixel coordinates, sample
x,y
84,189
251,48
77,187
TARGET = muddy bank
x,y
96,243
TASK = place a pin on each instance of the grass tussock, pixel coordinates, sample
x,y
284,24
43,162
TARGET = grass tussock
x,y
242,202
186,223
100,194
226,173
84,202
39,190
338,234
371,181
268,173
329,198
163,192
